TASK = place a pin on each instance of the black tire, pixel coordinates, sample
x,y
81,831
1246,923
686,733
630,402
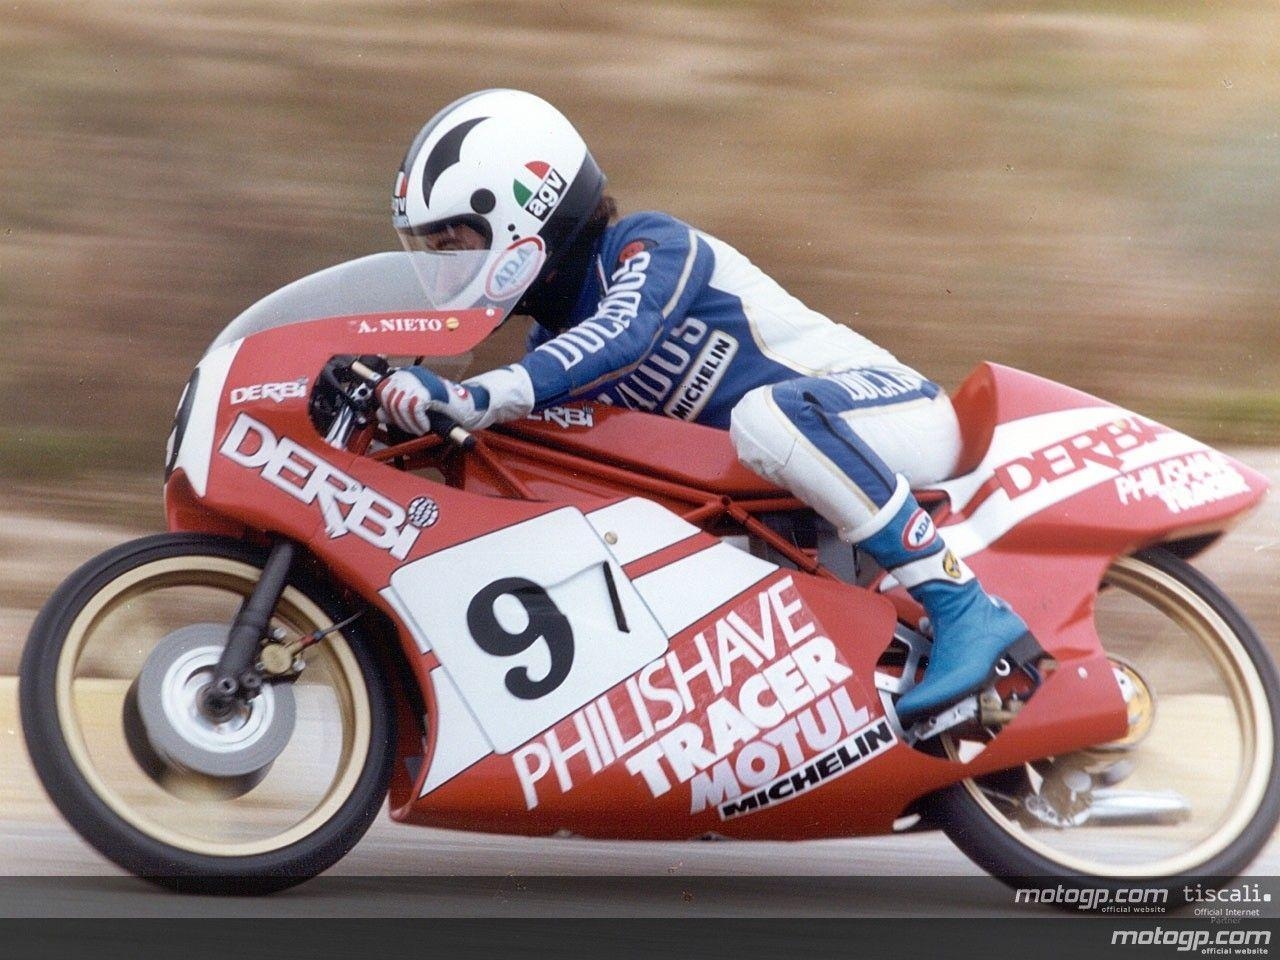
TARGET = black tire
x,y
106,823
999,851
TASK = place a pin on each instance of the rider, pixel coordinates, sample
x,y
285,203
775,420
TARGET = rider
x,y
649,313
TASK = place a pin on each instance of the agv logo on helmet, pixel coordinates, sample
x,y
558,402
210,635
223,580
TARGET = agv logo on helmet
x,y
547,188
400,199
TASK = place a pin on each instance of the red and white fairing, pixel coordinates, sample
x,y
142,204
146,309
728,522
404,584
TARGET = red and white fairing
x,y
591,659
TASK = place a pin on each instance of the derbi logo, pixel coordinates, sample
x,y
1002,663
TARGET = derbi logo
x,y
541,192
347,505
1102,445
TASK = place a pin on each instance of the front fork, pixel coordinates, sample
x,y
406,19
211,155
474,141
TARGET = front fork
x,y
237,677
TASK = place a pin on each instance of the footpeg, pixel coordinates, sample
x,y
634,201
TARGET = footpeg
x,y
985,704
1022,654
953,716
1025,651
995,712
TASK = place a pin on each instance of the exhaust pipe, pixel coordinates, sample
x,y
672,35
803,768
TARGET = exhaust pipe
x,y
1134,807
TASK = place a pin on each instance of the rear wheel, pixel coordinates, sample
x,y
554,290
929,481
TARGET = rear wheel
x,y
1191,791
256,801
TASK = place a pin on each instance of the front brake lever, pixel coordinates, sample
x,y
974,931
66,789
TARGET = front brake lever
x,y
441,423
339,389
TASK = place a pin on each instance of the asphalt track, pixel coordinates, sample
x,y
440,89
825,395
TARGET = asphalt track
x,y
406,871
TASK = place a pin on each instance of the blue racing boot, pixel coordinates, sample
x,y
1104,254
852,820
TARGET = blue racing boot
x,y
971,630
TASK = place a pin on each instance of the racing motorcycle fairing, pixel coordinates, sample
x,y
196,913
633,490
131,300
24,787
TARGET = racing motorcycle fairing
x,y
594,660
688,454
1064,484
421,289
1055,468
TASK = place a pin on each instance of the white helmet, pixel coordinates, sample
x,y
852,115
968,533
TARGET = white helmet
x,y
510,166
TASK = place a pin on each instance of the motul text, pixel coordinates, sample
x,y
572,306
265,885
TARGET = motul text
x,y
774,707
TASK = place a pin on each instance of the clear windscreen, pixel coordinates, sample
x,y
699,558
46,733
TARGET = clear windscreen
x,y
413,280
448,278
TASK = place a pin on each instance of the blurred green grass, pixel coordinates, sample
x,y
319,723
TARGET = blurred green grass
x,y
1089,191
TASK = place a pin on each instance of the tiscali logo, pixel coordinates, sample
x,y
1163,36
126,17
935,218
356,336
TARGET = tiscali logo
x,y
538,188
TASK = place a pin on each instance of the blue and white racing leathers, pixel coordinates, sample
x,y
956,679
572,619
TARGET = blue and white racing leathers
x,y
676,322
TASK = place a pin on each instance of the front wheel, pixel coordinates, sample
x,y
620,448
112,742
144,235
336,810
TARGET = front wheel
x,y
1190,792
147,621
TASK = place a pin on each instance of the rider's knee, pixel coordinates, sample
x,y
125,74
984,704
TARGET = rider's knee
x,y
760,432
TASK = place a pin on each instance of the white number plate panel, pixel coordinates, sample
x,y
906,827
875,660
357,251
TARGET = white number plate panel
x,y
527,658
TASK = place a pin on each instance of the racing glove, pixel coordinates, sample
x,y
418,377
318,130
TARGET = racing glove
x,y
409,395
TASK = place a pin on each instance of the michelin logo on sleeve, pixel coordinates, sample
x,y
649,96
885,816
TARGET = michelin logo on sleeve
x,y
705,375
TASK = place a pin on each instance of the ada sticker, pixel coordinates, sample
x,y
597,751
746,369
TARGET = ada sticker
x,y
919,532
515,269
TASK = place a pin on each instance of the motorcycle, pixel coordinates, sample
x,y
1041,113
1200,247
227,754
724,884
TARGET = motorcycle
x,y
596,622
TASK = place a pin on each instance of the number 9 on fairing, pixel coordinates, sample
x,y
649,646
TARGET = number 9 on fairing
x,y
545,622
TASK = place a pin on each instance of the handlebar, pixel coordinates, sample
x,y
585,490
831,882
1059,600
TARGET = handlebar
x,y
442,424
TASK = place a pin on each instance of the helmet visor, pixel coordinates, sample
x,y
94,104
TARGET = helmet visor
x,y
458,270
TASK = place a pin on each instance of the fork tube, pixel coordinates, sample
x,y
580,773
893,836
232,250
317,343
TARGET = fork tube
x,y
248,629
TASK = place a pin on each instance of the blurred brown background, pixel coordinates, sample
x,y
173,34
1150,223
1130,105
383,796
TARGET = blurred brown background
x,y
1087,190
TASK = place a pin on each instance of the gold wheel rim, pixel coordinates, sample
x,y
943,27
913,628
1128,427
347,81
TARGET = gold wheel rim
x,y
295,608
1247,695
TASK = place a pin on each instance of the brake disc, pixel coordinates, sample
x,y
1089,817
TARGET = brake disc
x,y
242,744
